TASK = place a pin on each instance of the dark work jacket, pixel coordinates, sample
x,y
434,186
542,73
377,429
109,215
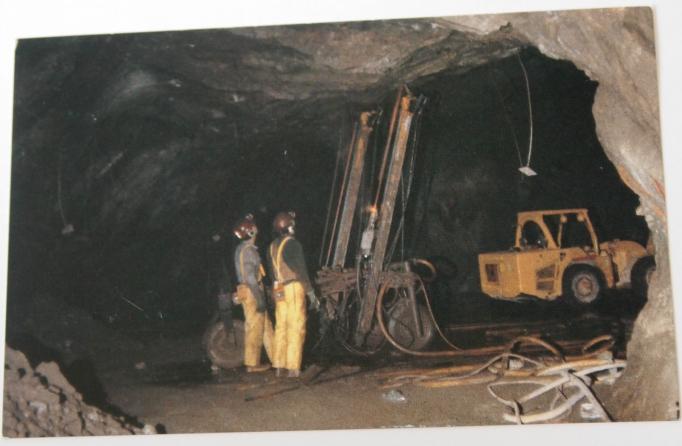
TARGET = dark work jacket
x,y
247,264
292,265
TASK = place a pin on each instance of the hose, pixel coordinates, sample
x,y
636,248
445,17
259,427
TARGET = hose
x,y
537,341
428,265
606,341
392,341
483,351
432,316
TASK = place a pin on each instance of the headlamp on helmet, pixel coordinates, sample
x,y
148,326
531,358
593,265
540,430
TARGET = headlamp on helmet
x,y
245,228
284,222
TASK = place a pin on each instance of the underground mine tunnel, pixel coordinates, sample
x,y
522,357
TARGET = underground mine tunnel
x,y
133,155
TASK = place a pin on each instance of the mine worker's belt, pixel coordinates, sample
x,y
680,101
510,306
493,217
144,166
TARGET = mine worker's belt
x,y
278,289
285,283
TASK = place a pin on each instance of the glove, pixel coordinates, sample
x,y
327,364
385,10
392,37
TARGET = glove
x,y
314,302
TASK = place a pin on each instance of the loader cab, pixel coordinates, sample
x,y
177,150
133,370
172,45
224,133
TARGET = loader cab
x,y
570,228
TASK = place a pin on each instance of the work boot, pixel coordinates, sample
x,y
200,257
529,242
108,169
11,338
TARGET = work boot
x,y
294,373
257,368
279,372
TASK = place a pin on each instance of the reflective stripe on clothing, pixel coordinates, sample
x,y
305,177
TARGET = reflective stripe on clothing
x,y
288,262
280,269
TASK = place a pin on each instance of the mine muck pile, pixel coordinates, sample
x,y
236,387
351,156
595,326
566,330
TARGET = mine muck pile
x,y
42,402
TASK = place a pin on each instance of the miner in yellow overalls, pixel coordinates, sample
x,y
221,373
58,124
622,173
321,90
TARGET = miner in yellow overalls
x,y
258,331
290,287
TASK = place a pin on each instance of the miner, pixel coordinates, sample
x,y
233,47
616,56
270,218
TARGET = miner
x,y
291,285
258,331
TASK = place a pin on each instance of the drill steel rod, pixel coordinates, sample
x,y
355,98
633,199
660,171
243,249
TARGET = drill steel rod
x,y
350,200
389,138
329,205
395,171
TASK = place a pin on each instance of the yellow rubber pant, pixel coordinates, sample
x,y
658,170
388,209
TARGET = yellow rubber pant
x,y
258,332
290,319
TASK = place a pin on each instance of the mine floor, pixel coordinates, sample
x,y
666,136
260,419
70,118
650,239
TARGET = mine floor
x,y
170,383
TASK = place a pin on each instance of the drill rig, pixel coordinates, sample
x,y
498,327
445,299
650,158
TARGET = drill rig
x,y
375,295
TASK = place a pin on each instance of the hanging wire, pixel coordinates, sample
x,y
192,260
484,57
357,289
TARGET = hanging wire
x,y
67,228
331,199
341,192
507,118
530,108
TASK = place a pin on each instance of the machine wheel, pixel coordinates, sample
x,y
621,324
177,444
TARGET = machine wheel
x,y
582,284
640,276
225,350
400,321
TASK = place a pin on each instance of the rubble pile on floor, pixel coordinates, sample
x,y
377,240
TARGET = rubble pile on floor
x,y
569,377
42,402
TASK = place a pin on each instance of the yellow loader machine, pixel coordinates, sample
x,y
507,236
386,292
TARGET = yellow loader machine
x,y
556,254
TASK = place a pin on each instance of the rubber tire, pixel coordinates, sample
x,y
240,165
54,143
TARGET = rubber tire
x,y
571,281
208,332
640,274
221,351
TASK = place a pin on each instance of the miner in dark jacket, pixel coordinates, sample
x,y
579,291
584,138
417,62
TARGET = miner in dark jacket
x,y
291,284
258,331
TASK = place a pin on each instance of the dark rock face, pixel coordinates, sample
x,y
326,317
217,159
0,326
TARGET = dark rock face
x,y
147,145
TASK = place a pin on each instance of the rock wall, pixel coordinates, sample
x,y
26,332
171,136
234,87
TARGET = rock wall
x,y
616,48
